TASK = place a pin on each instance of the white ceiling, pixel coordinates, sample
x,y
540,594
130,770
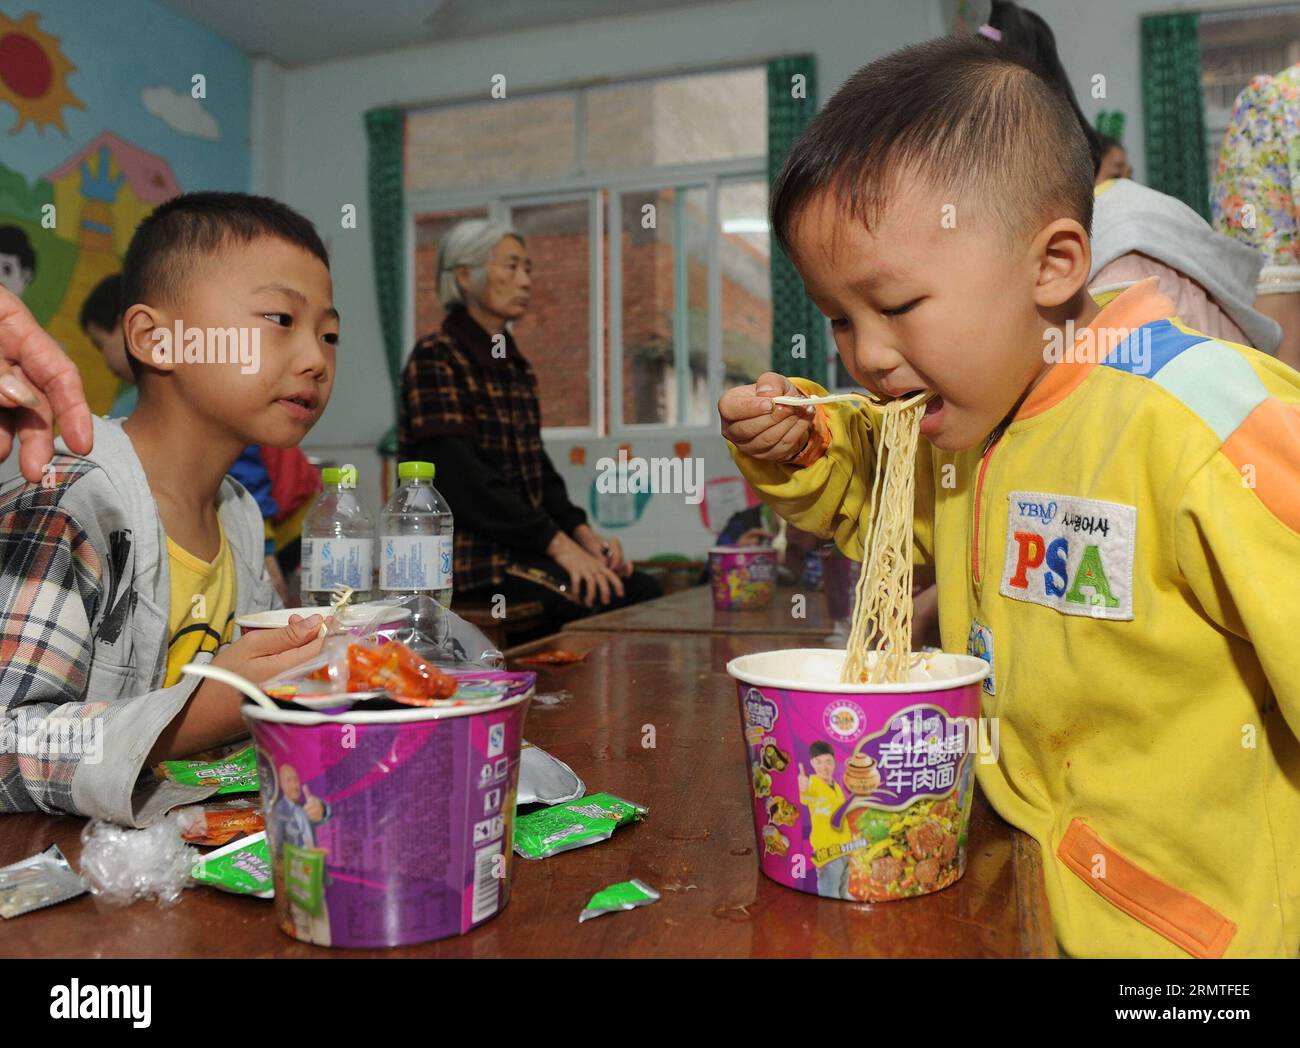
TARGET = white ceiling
x,y
302,32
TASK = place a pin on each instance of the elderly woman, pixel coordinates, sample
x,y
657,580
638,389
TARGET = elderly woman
x,y
470,406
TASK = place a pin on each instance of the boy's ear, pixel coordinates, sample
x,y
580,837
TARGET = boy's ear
x,y
148,337
1063,256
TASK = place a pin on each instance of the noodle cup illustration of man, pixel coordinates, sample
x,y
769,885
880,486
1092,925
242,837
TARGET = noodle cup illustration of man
x,y
296,813
823,797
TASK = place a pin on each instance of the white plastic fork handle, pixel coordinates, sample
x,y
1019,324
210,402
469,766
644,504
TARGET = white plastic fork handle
x,y
830,398
240,684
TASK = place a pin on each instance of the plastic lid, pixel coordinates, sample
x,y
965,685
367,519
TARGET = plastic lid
x,y
422,470
331,475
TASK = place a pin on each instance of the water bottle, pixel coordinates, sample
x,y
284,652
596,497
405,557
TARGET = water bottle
x,y
415,532
338,542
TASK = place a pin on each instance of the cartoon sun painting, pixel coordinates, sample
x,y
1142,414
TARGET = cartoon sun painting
x,y
34,74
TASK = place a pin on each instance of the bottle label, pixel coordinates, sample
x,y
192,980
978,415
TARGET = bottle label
x,y
416,562
330,562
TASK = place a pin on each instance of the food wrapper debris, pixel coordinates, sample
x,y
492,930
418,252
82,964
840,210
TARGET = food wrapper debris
x,y
552,658
212,825
36,882
122,865
578,823
627,895
243,868
545,779
234,773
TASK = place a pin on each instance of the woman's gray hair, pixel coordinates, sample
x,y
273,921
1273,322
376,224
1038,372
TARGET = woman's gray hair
x,y
468,243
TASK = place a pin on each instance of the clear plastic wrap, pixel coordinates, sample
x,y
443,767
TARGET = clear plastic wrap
x,y
439,640
120,866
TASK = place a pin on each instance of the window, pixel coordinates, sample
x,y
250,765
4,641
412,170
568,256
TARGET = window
x,y
644,208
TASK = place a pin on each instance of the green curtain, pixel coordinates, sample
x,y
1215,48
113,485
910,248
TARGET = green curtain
x,y
385,132
1174,110
792,312
1111,124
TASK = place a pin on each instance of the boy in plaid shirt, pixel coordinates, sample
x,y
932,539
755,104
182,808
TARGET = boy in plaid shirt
x,y
123,565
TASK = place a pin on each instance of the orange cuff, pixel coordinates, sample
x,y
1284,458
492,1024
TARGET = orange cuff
x,y
818,442
1179,916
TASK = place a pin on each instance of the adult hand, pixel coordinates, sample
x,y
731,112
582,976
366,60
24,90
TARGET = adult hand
x,y
38,382
589,576
608,551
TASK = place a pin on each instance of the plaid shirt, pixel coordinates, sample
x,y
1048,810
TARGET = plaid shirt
x,y
453,385
84,601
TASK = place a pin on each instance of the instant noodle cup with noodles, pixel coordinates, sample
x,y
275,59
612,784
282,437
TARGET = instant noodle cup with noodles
x,y
880,776
743,577
393,826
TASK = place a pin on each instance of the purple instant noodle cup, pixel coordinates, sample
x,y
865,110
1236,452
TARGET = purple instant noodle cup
x,y
861,791
743,577
390,827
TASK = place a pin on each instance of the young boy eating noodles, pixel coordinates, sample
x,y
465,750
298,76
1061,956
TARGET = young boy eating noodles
x,y
123,565
1110,500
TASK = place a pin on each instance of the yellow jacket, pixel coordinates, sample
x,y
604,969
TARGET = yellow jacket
x,y
1126,555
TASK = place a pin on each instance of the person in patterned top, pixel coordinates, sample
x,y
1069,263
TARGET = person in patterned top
x,y
1256,194
469,405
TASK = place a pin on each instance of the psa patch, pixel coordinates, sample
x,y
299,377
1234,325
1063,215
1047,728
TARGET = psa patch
x,y
1071,554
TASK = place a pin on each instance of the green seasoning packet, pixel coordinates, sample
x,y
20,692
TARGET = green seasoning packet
x,y
625,896
243,867
234,773
587,821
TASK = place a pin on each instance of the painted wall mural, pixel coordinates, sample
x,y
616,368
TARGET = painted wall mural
x,y
96,143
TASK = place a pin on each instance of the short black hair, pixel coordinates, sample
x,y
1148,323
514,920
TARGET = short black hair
x,y
168,243
103,306
961,113
13,241
820,749
1108,143
1026,34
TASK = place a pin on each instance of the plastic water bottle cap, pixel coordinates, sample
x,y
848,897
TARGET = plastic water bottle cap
x,y
331,475
407,470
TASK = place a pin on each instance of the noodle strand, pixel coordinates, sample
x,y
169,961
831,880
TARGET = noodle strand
x,y
882,611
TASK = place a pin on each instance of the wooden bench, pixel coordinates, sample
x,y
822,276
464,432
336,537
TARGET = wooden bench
x,y
521,619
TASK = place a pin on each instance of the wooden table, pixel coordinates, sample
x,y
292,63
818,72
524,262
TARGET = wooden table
x,y
697,848
691,611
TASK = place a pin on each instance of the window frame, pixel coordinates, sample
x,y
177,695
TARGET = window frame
x,y
499,202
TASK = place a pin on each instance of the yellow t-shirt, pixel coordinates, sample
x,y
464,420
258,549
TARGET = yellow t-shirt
x,y
202,605
822,802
